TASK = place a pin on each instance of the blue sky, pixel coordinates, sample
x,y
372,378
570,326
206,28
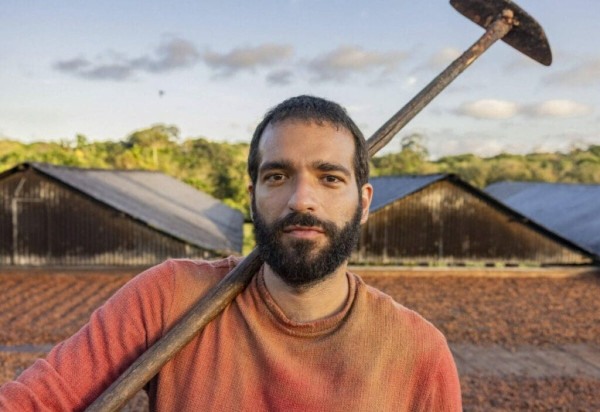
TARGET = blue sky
x,y
98,68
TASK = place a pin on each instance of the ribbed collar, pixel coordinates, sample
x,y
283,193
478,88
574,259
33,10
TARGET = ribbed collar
x,y
304,329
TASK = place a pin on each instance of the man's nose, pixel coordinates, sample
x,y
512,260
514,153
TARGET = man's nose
x,y
303,197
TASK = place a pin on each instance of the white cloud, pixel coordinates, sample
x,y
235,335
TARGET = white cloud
x,y
170,55
177,53
339,63
173,54
488,109
502,109
449,142
248,58
558,109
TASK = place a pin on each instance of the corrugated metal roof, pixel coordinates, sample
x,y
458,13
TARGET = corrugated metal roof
x,y
570,210
161,202
387,189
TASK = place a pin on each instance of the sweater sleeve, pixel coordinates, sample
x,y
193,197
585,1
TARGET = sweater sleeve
x,y
444,385
79,369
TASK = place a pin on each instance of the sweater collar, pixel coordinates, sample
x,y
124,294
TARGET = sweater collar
x,y
305,329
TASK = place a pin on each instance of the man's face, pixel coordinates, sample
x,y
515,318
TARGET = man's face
x,y
307,207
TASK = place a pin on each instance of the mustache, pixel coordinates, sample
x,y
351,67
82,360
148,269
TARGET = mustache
x,y
303,219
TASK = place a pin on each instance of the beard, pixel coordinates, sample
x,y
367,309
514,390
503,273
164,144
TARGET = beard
x,y
299,262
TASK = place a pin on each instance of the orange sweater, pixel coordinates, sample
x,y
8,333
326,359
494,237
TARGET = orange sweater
x,y
374,355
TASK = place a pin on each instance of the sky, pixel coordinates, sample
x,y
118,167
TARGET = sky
x,y
212,68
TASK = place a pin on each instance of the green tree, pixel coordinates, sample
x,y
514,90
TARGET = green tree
x,y
219,168
147,144
412,158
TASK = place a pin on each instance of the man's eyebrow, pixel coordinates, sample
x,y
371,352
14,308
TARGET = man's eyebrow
x,y
276,164
320,165
331,167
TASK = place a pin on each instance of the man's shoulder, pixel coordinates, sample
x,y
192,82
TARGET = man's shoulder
x,y
200,266
186,281
396,319
186,273
198,271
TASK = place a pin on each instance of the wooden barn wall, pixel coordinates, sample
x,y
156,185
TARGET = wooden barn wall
x,y
45,223
446,223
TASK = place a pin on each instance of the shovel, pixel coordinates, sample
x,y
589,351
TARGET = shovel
x,y
501,19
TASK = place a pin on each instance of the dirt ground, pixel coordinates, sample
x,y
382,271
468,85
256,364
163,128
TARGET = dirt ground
x,y
39,308
505,311
512,312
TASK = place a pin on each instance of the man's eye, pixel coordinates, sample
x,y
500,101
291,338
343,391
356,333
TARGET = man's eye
x,y
332,179
277,177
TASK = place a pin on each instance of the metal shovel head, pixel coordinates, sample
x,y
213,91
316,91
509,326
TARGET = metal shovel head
x,y
527,35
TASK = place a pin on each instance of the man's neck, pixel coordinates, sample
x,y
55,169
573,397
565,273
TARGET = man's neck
x,y
306,304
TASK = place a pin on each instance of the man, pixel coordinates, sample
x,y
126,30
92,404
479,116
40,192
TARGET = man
x,y
305,335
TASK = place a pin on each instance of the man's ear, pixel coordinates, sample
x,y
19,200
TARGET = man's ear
x,y
250,189
366,196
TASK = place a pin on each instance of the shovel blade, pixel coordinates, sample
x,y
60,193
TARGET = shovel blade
x,y
527,35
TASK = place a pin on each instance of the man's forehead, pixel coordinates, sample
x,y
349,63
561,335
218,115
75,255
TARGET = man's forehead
x,y
303,128
297,137
305,121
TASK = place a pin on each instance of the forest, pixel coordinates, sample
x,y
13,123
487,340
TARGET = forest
x,y
219,168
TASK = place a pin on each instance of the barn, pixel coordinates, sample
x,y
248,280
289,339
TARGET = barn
x,y
64,216
441,219
569,210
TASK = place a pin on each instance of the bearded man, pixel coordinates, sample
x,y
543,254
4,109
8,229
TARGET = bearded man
x,y
305,335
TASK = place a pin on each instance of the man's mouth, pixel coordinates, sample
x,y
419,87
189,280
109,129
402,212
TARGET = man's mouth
x,y
303,232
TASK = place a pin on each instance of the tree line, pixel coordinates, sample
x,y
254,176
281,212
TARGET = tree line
x,y
219,168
